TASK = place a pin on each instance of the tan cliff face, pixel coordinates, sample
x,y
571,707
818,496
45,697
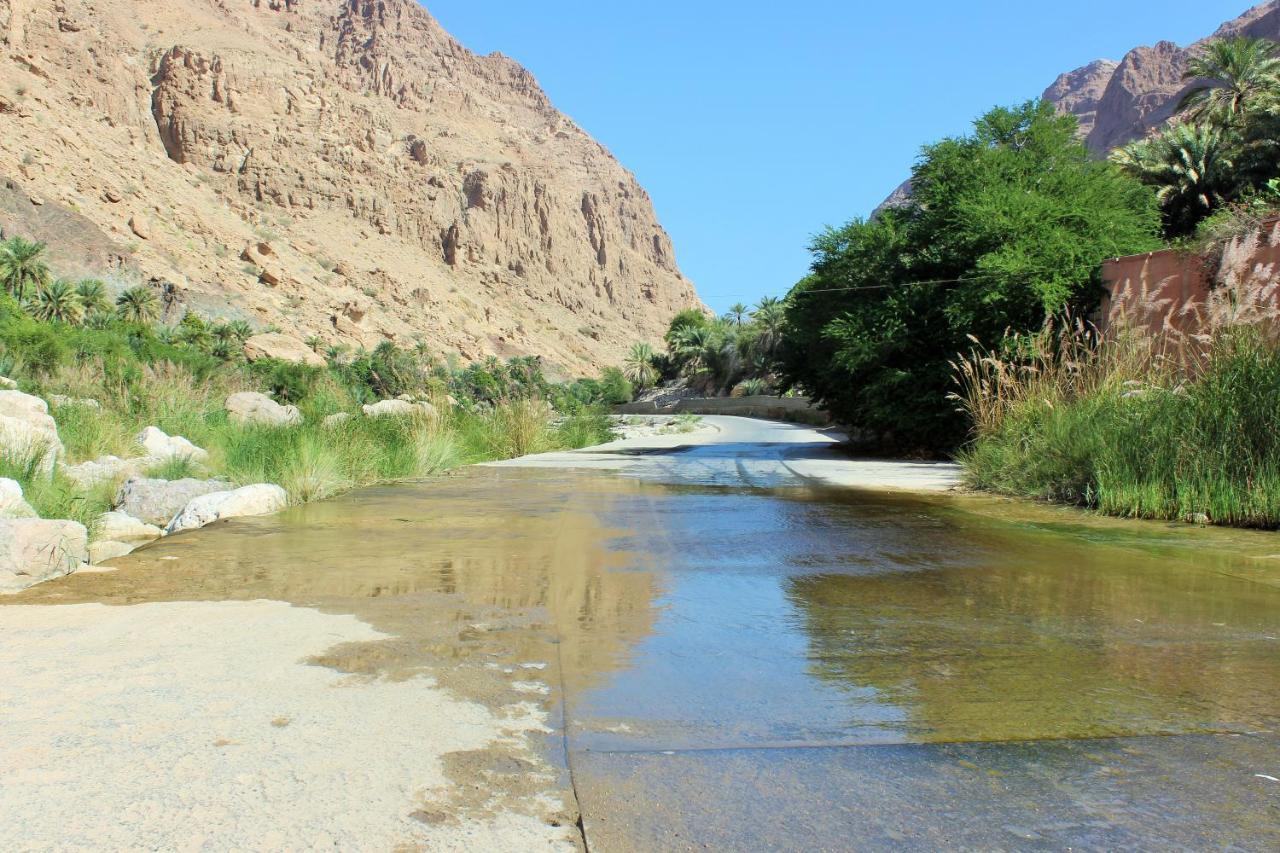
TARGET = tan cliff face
x,y
339,168
1118,102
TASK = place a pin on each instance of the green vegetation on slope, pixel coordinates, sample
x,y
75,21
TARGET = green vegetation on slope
x,y
1133,428
63,339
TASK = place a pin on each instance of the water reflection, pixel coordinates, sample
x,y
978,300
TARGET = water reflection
x,y
491,563
683,616
1018,631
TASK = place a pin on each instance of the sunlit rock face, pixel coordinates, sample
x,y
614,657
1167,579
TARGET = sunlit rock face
x,y
1118,102
340,168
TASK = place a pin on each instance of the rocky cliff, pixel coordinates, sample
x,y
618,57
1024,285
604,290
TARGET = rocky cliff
x,y
1118,102
340,168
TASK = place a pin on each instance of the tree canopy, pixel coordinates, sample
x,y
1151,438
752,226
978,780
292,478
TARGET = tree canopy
x,y
1005,226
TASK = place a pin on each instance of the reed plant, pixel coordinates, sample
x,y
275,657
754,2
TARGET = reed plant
x,y
1166,425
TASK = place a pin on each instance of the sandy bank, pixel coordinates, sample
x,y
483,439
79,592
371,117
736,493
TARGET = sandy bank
x,y
202,726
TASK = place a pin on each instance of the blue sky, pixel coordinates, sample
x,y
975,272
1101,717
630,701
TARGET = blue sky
x,y
753,125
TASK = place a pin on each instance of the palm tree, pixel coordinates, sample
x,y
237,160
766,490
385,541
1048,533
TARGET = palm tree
x,y
1191,167
639,368
241,329
765,303
691,344
57,303
769,318
315,343
1234,73
138,305
737,311
22,266
93,296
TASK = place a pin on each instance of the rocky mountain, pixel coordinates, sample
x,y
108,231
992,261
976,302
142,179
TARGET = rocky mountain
x,y
1118,102
340,168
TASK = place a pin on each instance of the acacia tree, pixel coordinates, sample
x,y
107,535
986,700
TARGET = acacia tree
x,y
1006,225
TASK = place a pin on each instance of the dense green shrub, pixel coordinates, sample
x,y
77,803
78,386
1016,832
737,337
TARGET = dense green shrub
x,y
1142,437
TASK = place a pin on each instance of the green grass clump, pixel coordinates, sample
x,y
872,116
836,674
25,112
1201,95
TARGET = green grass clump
x,y
1140,435
53,495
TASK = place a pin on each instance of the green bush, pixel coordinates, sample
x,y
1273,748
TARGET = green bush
x,y
1005,227
1201,444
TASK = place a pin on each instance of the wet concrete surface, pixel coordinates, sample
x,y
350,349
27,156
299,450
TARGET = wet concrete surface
x,y
735,658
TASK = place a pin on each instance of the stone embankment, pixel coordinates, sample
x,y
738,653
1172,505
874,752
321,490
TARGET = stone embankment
x,y
145,507
791,409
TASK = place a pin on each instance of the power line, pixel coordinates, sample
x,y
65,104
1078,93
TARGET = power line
x,y
972,278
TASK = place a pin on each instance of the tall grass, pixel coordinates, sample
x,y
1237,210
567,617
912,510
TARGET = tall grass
x,y
1145,426
54,496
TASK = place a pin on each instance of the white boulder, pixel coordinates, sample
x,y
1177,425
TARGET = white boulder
x,y
12,503
251,407
122,527
87,474
161,446
27,430
260,499
397,409
157,501
336,419
106,549
282,347
33,550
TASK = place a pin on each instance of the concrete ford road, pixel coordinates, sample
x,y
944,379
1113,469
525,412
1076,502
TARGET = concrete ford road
x,y
685,641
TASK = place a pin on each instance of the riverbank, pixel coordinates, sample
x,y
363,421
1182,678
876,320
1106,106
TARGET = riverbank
x,y
1173,429
469,651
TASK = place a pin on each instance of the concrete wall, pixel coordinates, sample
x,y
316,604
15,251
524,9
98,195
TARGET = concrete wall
x,y
1154,292
796,409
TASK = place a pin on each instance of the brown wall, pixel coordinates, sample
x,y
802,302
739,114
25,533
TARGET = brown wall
x,y
1154,292
1168,290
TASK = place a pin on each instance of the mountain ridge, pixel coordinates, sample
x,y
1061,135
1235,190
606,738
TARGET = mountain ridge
x,y
339,168
1118,102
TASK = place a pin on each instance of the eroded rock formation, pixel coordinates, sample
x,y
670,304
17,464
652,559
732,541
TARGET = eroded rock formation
x,y
403,187
1118,102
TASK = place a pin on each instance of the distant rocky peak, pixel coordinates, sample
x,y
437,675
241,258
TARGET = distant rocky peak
x,y
1119,102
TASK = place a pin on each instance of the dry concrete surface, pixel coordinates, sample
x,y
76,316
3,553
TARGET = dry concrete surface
x,y
201,726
